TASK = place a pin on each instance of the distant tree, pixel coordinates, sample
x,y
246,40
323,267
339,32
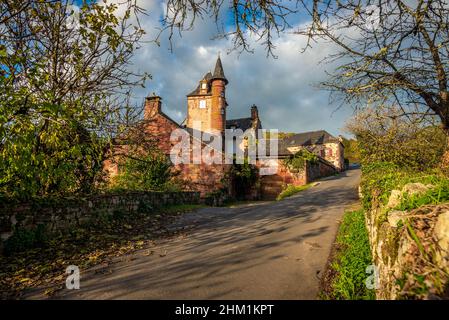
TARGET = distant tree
x,y
384,136
352,152
64,79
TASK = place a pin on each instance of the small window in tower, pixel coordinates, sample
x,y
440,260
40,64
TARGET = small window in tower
x,y
223,94
222,111
202,104
204,85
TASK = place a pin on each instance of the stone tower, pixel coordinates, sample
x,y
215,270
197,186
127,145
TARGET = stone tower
x,y
207,103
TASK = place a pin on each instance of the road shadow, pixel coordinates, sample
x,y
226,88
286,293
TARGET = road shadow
x,y
223,243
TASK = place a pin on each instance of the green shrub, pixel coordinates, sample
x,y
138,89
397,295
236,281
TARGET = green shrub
x,y
383,135
244,176
437,194
23,239
217,198
297,161
151,172
381,178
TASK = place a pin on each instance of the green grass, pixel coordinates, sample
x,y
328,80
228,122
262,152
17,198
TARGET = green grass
x,y
351,257
291,190
382,177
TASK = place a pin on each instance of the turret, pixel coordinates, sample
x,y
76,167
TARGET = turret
x,y
207,103
218,110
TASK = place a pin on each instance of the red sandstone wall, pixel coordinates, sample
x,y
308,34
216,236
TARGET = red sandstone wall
x,y
202,177
197,177
272,185
160,128
319,170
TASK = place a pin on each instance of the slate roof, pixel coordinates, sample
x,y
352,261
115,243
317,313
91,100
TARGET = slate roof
x,y
218,72
305,139
196,92
218,75
242,123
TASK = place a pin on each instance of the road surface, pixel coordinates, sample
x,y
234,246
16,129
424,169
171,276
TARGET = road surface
x,y
266,250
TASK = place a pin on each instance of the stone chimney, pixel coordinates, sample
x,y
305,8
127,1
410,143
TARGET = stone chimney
x,y
153,106
254,112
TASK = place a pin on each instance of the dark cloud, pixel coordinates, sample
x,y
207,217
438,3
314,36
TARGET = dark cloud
x,y
284,89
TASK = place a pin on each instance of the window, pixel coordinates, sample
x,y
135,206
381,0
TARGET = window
x,y
204,85
202,104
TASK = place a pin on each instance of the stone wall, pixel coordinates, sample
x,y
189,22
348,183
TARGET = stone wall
x,y
204,178
272,185
320,169
410,249
67,212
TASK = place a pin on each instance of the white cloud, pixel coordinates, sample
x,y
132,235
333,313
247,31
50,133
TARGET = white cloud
x,y
282,88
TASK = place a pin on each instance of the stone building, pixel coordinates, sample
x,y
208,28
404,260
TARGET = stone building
x,y
319,142
206,113
330,152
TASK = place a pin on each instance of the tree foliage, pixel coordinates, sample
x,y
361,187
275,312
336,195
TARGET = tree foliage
x,y
145,172
297,161
64,75
384,136
352,152
244,176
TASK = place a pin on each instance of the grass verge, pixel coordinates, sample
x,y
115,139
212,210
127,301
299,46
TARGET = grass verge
x,y
291,190
345,276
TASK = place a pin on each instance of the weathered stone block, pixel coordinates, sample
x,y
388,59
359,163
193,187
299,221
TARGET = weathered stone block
x,y
442,235
395,199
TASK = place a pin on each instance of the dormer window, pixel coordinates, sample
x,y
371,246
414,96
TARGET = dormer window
x,y
204,86
202,104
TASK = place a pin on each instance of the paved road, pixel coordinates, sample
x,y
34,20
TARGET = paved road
x,y
270,250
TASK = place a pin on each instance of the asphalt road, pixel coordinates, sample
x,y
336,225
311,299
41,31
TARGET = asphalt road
x,y
268,250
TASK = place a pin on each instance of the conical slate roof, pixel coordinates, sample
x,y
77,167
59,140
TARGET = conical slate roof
x,y
208,76
218,72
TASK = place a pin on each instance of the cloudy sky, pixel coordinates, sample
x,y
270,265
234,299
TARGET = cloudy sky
x,y
284,89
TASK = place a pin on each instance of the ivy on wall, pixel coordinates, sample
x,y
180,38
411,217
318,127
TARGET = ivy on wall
x,y
297,161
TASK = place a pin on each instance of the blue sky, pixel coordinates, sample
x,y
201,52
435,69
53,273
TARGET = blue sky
x,y
284,89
